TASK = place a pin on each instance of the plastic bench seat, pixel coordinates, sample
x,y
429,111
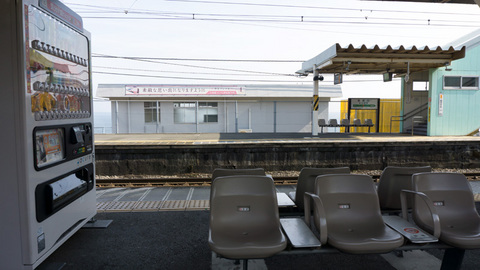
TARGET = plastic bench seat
x,y
322,123
228,172
347,215
392,181
244,219
448,196
306,181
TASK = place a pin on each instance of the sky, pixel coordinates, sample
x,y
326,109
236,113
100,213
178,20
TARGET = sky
x,y
237,42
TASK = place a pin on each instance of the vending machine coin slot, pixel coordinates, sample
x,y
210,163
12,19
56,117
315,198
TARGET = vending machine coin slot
x,y
77,135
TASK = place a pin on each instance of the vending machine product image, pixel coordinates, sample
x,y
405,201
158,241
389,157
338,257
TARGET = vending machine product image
x,y
47,173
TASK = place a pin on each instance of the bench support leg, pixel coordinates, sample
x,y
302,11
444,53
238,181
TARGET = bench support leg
x,y
452,258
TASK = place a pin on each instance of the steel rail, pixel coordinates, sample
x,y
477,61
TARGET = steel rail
x,y
203,181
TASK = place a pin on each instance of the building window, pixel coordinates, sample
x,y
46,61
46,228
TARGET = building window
x,y
461,82
419,86
207,112
470,82
184,112
151,112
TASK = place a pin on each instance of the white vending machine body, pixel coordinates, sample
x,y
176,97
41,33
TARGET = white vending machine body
x,y
47,172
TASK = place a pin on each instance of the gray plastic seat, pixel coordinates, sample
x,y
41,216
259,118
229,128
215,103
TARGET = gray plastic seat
x,y
346,124
333,123
392,181
306,181
451,198
322,123
369,124
347,215
228,172
357,122
244,219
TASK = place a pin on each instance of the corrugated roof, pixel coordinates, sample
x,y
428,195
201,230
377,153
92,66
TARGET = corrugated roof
x,y
376,60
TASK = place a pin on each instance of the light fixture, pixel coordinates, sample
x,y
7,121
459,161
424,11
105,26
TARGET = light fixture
x,y
447,64
348,65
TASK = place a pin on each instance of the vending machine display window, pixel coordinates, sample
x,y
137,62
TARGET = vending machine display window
x,y
49,147
58,71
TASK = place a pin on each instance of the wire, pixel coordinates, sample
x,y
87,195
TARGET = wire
x,y
200,59
427,23
204,67
191,78
110,8
235,80
320,7
296,18
185,72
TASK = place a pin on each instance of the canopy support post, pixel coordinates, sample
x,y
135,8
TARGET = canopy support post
x,y
315,102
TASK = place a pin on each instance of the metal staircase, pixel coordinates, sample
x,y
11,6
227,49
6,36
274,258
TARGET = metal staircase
x,y
420,129
419,124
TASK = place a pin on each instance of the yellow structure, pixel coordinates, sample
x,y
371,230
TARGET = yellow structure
x,y
388,108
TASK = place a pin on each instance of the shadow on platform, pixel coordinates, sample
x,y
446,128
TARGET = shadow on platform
x,y
179,240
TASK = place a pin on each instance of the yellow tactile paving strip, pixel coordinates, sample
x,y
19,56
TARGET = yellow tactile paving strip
x,y
152,206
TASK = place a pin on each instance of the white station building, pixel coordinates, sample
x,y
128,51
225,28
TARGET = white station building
x,y
214,108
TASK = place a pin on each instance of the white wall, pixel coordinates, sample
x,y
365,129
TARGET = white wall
x,y
259,116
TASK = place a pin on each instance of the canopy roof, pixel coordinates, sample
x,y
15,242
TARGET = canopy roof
x,y
376,60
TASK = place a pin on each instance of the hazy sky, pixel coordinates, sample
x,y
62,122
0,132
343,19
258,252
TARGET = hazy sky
x,y
176,32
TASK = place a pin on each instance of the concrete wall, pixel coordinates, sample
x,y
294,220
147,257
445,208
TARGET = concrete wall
x,y
175,159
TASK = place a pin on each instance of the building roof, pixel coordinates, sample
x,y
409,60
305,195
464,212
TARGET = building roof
x,y
376,60
470,41
437,1
113,91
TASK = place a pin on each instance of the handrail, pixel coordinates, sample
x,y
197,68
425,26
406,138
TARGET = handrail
x,y
408,115
416,110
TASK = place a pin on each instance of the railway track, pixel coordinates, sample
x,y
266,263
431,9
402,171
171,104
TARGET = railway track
x,y
204,181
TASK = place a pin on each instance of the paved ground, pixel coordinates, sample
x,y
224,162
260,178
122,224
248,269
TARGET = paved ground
x,y
178,240
157,239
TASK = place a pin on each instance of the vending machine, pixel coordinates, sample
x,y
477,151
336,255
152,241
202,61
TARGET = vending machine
x,y
47,173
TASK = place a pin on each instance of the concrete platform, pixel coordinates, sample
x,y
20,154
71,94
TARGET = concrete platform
x,y
241,138
179,240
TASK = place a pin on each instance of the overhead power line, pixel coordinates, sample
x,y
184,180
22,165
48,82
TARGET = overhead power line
x,y
196,66
229,80
192,78
430,23
110,8
185,72
200,59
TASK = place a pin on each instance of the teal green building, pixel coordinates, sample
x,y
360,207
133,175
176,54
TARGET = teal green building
x,y
446,100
